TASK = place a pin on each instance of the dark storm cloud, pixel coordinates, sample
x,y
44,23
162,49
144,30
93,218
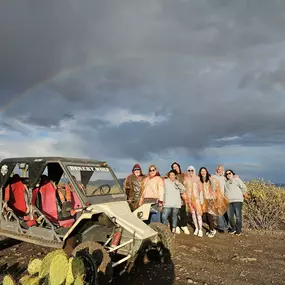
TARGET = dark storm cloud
x,y
213,69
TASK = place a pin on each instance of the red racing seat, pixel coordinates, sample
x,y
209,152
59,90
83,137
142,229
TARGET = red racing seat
x,y
48,202
16,196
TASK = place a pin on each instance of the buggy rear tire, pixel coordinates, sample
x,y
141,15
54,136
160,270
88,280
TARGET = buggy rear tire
x,y
101,259
165,237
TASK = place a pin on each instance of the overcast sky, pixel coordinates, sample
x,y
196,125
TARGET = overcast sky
x,y
153,81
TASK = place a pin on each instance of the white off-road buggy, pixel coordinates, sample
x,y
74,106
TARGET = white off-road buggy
x,y
86,213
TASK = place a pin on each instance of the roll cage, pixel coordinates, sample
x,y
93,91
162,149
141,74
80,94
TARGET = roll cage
x,y
37,165
12,226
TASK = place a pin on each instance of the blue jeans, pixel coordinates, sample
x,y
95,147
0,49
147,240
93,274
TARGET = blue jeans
x,y
235,216
155,217
223,223
165,214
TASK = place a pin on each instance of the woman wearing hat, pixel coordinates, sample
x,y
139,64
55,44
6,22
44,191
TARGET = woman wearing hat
x,y
132,185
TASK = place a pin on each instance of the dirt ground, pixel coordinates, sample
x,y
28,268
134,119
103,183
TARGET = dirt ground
x,y
253,258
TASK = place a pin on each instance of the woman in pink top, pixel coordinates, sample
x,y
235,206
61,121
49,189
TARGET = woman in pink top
x,y
153,192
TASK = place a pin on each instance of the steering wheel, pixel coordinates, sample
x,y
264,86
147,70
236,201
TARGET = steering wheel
x,y
104,189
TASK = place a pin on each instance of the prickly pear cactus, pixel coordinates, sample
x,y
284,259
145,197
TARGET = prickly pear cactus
x,y
9,280
75,268
79,280
31,281
69,276
45,266
24,280
34,266
58,269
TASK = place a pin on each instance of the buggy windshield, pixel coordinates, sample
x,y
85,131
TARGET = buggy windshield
x,y
94,180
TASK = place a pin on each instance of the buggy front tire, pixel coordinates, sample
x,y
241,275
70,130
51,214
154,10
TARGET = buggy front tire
x,y
165,237
101,259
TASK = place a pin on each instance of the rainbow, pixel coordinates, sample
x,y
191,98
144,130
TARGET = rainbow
x,y
60,74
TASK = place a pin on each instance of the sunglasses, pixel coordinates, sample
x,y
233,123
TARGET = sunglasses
x,y
228,173
191,170
152,170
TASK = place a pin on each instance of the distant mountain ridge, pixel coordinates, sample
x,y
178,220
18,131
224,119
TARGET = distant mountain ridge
x,y
109,182
121,181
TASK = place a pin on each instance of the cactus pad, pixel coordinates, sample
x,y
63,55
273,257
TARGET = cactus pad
x,y
24,280
8,280
28,280
58,269
33,281
45,266
79,280
34,266
69,276
75,268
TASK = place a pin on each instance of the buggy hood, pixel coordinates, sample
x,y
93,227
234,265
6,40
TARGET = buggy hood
x,y
124,217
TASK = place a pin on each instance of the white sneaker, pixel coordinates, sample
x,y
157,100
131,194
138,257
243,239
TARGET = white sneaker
x,y
212,233
177,230
196,232
185,230
200,233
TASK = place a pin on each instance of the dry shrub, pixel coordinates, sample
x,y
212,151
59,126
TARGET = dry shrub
x,y
265,207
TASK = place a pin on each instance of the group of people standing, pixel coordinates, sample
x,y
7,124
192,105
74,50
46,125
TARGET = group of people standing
x,y
178,193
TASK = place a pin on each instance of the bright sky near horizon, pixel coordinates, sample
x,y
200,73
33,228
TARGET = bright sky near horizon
x,y
155,81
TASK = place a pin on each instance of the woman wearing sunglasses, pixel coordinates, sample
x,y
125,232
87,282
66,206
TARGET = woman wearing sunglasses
x,y
153,192
235,190
193,197
132,185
